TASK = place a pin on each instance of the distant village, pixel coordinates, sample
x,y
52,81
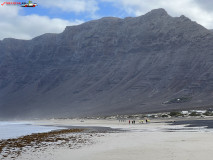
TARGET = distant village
x,y
189,113
163,115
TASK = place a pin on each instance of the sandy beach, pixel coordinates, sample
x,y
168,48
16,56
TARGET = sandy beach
x,y
155,140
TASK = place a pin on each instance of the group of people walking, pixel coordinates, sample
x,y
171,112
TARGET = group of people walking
x,y
140,121
133,121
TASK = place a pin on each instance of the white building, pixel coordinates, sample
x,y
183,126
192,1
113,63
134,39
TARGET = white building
x,y
184,112
199,111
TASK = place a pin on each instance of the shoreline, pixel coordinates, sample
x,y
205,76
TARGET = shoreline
x,y
99,139
63,136
16,129
208,123
13,147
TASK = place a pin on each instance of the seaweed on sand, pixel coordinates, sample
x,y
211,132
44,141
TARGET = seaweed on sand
x,y
13,147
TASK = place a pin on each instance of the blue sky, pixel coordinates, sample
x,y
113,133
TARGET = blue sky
x,y
104,9
53,16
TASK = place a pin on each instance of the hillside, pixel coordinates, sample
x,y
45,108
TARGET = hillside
x,y
108,66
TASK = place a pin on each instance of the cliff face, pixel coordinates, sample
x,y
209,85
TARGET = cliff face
x,y
107,66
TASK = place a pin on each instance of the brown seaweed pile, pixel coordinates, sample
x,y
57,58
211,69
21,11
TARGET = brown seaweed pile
x,y
11,148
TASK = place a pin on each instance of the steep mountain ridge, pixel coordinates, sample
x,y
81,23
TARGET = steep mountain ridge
x,y
108,66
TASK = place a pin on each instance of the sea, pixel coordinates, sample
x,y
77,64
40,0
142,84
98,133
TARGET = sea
x,y
15,129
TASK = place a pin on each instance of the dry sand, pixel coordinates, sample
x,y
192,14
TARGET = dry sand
x,y
152,141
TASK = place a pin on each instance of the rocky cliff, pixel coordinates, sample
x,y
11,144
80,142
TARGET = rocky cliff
x,y
108,66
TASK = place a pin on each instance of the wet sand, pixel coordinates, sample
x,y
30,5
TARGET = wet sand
x,y
140,141
195,123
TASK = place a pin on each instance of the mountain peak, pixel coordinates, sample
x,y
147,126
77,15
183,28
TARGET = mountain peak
x,y
184,17
158,12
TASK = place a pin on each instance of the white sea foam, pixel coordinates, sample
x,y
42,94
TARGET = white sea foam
x,y
14,129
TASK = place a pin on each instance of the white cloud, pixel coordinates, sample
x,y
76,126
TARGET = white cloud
x,y
26,27
189,8
13,25
77,6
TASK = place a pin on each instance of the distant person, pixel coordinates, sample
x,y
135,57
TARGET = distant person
x,y
129,121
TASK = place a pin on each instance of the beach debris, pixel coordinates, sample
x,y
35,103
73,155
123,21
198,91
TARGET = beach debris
x,y
11,148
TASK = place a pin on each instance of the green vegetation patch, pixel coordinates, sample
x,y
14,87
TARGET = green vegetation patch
x,y
175,114
194,114
208,114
